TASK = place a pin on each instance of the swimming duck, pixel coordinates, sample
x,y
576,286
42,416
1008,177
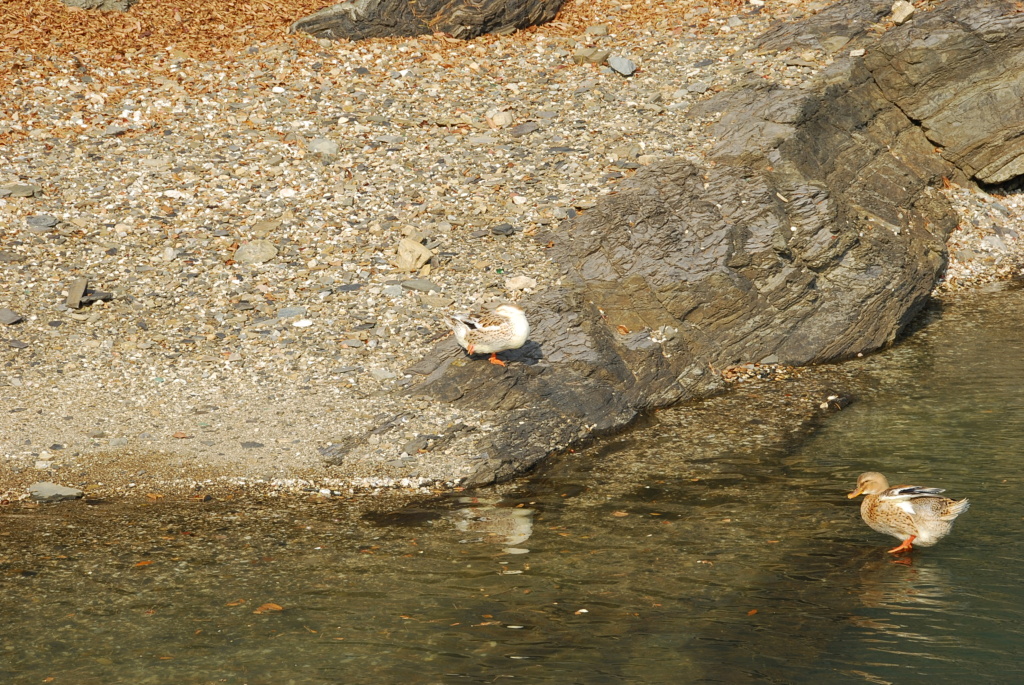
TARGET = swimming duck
x,y
907,512
506,328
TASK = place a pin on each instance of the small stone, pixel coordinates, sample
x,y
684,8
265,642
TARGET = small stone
x,y
251,444
9,317
501,119
393,291
118,442
75,293
255,252
421,284
40,222
524,129
481,140
352,342
288,312
17,344
698,87
859,52
262,229
503,229
23,190
597,30
590,56
51,492
902,11
412,255
324,146
621,65
994,243
168,254
382,375
520,283
303,323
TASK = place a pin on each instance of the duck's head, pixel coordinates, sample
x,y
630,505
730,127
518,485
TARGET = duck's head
x,y
870,483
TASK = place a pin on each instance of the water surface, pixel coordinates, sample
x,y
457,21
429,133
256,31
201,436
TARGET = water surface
x,y
702,548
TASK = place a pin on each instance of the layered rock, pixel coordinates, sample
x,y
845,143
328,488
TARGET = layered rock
x,y
104,5
813,232
357,19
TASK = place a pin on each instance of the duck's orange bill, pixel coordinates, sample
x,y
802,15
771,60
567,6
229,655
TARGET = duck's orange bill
x,y
858,491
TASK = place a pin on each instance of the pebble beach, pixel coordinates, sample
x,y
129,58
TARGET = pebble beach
x,y
223,246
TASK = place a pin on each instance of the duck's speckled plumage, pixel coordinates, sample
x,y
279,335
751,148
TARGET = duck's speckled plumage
x,y
506,328
910,513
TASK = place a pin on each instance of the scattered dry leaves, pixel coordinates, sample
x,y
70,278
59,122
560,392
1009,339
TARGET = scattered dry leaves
x,y
269,606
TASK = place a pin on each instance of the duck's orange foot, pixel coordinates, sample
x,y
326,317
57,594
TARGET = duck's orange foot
x,y
494,359
905,546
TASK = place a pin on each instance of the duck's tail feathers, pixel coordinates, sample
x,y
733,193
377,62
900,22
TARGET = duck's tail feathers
x,y
955,508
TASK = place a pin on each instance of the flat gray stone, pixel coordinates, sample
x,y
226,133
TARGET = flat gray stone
x,y
9,317
382,374
621,65
421,284
23,190
44,491
524,128
288,312
41,221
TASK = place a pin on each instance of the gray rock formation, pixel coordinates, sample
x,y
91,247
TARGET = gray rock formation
x,y
45,491
105,5
814,232
359,19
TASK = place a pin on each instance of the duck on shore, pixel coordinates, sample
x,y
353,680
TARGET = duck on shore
x,y
506,328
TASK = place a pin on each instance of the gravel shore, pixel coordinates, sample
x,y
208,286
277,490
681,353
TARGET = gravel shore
x,y
223,246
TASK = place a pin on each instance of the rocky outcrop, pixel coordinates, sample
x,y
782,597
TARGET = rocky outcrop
x,y
105,5
357,19
813,232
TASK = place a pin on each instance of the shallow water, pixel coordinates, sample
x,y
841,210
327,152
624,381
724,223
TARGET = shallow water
x,y
724,558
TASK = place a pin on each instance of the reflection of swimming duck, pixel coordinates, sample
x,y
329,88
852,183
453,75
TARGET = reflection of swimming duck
x,y
907,512
505,328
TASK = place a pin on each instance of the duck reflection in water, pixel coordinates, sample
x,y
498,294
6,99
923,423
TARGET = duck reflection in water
x,y
498,525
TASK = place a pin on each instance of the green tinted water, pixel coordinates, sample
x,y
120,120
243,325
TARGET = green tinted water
x,y
722,558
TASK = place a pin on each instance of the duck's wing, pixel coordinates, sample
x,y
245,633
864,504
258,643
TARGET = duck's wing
x,y
903,493
491,321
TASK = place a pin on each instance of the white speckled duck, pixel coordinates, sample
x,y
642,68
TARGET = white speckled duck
x,y
506,328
